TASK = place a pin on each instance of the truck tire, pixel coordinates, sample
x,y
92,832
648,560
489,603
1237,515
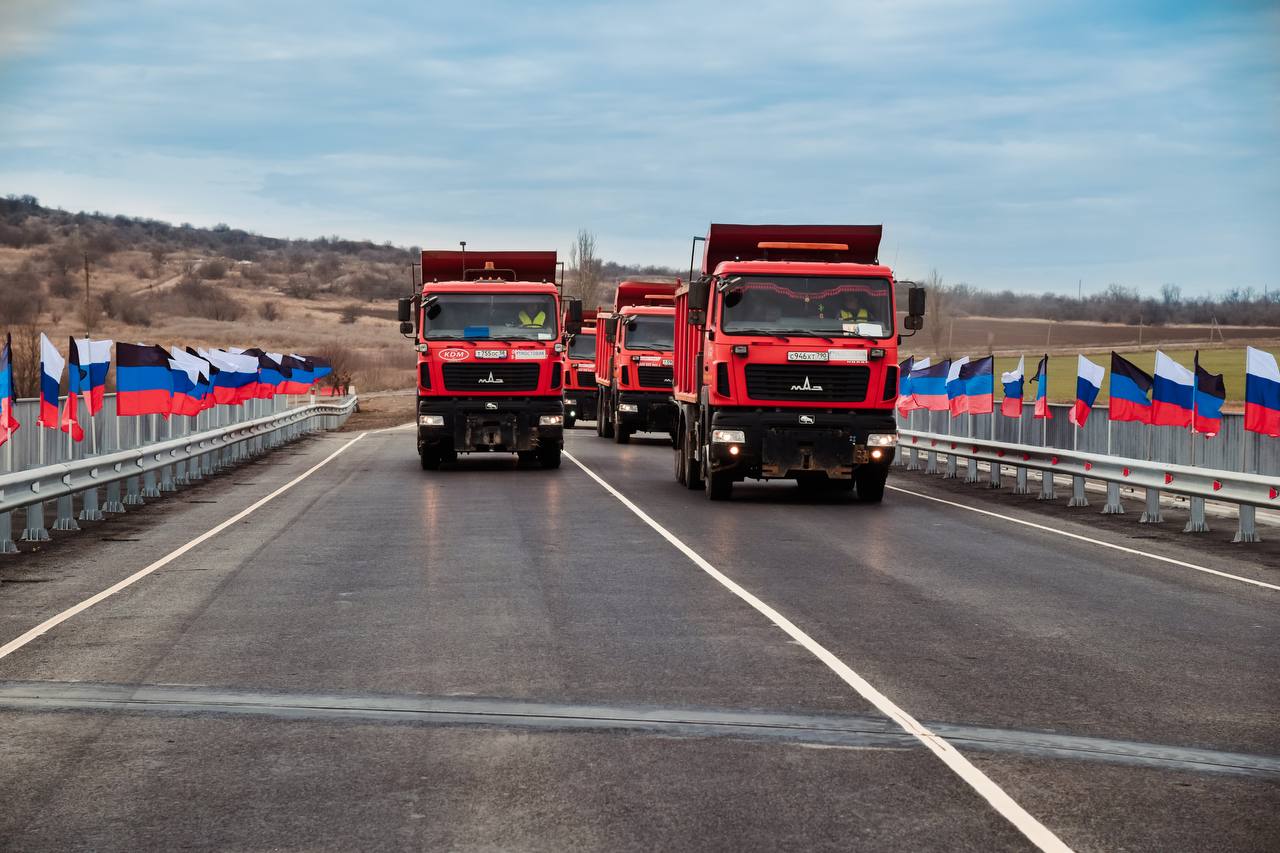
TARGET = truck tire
x,y
603,425
621,435
719,484
692,467
429,458
871,484
549,457
569,421
677,454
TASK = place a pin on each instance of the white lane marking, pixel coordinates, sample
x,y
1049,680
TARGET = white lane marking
x,y
1124,548
1005,805
47,625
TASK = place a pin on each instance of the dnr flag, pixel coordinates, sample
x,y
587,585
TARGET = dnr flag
x,y
1211,393
8,423
929,385
979,385
957,394
143,383
1130,391
95,357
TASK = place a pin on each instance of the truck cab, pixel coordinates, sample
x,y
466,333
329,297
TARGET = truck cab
x,y
786,360
490,343
635,361
580,379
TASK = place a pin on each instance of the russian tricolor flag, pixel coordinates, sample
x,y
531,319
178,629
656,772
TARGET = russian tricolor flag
x,y
1130,392
51,364
1012,380
1172,393
929,385
1088,383
957,394
143,380
189,374
1042,409
1261,392
1211,393
8,423
979,380
95,356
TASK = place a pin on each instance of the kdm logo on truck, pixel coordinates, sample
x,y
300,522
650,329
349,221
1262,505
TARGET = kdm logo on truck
x,y
453,354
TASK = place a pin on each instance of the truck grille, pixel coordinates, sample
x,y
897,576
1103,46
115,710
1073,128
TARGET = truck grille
x,y
491,377
808,382
654,377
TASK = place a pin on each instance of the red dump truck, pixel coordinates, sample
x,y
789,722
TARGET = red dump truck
x,y
786,359
580,380
491,361
634,361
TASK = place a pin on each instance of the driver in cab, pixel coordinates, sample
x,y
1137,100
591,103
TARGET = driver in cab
x,y
532,316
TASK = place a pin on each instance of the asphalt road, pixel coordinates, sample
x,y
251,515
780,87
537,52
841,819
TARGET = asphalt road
x,y
494,658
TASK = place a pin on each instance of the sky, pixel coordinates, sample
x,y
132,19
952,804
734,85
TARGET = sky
x,y
1032,146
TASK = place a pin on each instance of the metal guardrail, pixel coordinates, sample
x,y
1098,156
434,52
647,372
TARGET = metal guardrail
x,y
1247,491
150,469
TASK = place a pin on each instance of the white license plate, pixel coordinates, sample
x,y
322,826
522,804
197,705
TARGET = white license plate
x,y
852,356
807,356
491,353
528,354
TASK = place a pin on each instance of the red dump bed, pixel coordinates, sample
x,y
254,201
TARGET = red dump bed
x,y
449,265
848,244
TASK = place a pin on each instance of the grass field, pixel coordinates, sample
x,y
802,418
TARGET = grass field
x,y
1062,370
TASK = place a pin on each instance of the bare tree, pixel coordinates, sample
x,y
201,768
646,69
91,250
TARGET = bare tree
x,y
26,359
939,310
587,267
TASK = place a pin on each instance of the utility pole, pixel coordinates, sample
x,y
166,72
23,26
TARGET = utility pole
x,y
88,315
1080,289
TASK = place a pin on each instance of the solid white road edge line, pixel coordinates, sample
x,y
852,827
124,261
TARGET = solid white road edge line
x,y
1126,549
1005,805
47,625
392,428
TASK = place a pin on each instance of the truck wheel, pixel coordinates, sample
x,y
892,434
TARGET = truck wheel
x,y
692,467
677,452
569,421
429,457
603,425
621,435
719,484
549,457
871,484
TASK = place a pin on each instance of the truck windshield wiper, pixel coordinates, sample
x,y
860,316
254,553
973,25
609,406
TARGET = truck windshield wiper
x,y
768,333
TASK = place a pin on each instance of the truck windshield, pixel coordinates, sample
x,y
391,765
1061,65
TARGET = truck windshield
x,y
798,305
657,333
583,346
470,316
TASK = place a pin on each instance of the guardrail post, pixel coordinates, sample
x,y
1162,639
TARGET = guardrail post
x,y
149,487
113,504
7,545
1246,532
132,492
180,477
951,467
971,471
1020,486
167,483
1113,505
35,530
1078,497
90,510
66,519
1151,513
913,459
1197,522
1047,492
994,481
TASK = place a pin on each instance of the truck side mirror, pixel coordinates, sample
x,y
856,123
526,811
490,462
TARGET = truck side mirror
x,y
573,321
610,328
406,328
915,301
699,291
913,322
695,317
404,311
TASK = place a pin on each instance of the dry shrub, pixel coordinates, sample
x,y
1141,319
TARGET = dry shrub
x,y
350,313
122,306
201,300
270,312
21,296
214,270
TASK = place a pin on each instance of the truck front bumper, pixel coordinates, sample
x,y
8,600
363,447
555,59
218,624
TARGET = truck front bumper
x,y
787,445
580,403
508,424
646,411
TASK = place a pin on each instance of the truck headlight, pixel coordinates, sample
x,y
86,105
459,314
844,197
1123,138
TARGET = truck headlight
x,y
628,407
550,420
569,402
882,439
430,420
728,436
